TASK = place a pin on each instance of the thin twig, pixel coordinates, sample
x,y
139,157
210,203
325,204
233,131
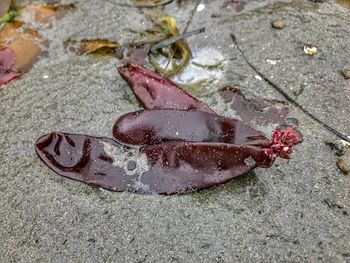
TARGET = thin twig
x,y
141,6
169,41
289,98
191,17
189,21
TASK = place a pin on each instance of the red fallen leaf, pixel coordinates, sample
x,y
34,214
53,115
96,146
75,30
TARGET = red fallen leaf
x,y
7,60
157,92
173,167
156,126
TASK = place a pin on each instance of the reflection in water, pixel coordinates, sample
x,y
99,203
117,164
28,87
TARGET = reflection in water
x,y
205,69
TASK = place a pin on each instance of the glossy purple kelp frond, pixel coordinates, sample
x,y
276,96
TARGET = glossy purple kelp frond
x,y
157,92
169,167
156,126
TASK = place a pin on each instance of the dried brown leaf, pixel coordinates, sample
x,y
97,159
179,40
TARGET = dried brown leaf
x,y
92,46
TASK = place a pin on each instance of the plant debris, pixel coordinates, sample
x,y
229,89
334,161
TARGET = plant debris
x,y
179,54
92,46
286,96
338,147
153,126
206,150
8,16
143,3
346,73
257,110
156,92
173,40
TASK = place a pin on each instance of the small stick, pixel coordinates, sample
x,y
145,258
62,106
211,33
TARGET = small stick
x,y
141,6
172,40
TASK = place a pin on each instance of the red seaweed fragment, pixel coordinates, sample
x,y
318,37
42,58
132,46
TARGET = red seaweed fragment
x,y
157,92
133,53
7,61
255,111
185,145
173,167
156,126
82,158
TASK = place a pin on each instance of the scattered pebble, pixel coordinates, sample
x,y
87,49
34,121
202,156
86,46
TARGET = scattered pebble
x,y
272,62
343,166
200,7
278,24
310,49
346,73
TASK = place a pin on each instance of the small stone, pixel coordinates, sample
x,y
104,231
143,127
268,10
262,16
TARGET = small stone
x,y
310,49
200,7
131,165
343,166
278,24
346,73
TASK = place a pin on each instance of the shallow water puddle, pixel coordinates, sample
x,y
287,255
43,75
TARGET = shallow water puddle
x,y
203,71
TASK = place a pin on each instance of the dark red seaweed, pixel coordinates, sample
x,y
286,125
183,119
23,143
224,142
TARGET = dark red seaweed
x,y
170,167
156,126
157,92
188,147
255,110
